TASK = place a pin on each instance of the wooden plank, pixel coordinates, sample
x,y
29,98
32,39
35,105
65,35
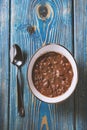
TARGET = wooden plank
x,y
81,58
4,63
39,115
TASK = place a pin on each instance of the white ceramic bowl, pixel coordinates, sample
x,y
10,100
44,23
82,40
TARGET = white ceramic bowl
x,y
59,49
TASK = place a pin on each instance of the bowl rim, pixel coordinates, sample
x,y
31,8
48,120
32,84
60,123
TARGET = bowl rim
x,y
47,99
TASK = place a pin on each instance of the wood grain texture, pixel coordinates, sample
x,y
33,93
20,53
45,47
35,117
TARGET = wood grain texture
x,y
4,63
81,57
39,115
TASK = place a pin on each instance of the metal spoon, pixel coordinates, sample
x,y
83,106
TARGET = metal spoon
x,y
16,57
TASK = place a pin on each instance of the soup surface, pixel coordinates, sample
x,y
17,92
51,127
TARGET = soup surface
x,y
52,74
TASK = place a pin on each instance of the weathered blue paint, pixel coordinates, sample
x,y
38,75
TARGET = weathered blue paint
x,y
4,63
70,114
39,115
80,42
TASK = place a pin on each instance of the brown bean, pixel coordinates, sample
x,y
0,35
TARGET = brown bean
x,y
45,84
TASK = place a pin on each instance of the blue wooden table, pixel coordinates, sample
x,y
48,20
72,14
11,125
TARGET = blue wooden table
x,y
69,29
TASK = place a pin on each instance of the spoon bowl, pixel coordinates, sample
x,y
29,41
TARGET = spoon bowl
x,y
16,55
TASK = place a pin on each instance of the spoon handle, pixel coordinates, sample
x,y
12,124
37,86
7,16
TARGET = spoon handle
x,y
21,110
